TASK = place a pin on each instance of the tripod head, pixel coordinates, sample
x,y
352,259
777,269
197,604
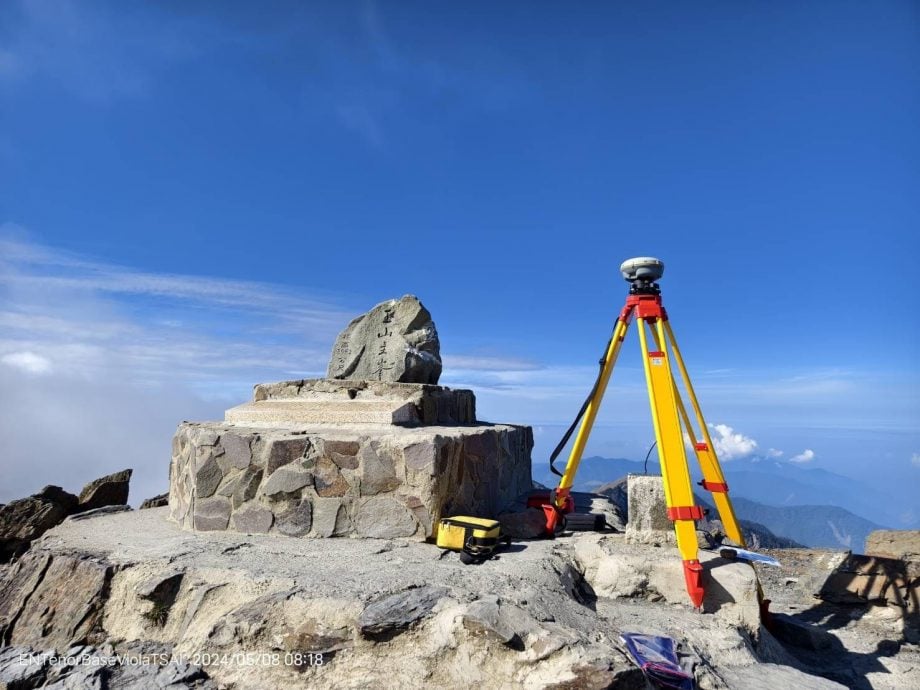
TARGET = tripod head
x,y
642,273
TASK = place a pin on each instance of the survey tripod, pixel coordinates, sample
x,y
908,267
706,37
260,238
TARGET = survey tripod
x,y
660,354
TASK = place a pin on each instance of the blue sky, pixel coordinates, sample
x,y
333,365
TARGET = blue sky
x,y
197,197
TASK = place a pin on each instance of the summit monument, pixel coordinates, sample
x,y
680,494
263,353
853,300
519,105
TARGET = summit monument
x,y
376,449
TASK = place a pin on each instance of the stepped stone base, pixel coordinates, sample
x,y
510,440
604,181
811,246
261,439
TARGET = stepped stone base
x,y
321,412
326,401
323,480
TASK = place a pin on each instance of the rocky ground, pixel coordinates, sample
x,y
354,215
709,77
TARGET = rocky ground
x,y
850,633
253,611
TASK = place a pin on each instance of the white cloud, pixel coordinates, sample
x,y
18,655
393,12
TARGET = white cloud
x,y
28,362
133,354
774,453
730,444
106,322
806,455
915,459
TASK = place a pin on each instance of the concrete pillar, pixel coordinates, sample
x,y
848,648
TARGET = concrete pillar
x,y
648,517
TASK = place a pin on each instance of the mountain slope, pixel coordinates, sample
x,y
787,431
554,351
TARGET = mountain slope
x,y
815,526
756,536
800,504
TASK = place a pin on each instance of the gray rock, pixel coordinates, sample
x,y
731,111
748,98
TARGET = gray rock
x,y
230,485
162,587
26,519
212,513
53,601
208,478
384,517
247,487
394,341
106,491
393,614
97,672
21,667
313,636
377,472
484,617
798,634
96,512
328,479
330,518
202,436
287,479
252,519
176,675
342,453
237,452
421,457
297,521
284,451
157,501
899,544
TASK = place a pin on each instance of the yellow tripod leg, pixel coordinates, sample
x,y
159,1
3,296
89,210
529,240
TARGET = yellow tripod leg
x,y
713,479
675,472
587,423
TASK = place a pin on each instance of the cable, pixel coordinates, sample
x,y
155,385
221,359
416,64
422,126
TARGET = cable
x,y
581,412
645,467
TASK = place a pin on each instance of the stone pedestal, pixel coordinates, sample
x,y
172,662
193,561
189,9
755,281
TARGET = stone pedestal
x,y
648,511
339,458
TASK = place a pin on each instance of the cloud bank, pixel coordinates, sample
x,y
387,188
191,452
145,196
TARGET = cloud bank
x,y
730,444
99,362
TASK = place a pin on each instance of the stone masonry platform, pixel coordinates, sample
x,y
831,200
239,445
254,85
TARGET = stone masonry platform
x,y
324,480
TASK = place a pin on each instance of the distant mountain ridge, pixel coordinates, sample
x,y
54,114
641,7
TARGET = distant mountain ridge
x,y
756,536
811,506
816,526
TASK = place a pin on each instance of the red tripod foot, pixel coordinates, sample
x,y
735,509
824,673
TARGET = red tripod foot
x,y
693,576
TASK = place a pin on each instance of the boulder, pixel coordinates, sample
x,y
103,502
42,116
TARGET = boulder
x,y
21,667
799,634
861,579
53,601
157,501
384,517
394,341
484,617
111,490
24,520
390,615
890,543
96,512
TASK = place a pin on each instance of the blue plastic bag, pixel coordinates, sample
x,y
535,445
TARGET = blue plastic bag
x,y
657,657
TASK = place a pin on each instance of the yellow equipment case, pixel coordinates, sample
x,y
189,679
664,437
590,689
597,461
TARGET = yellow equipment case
x,y
477,537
